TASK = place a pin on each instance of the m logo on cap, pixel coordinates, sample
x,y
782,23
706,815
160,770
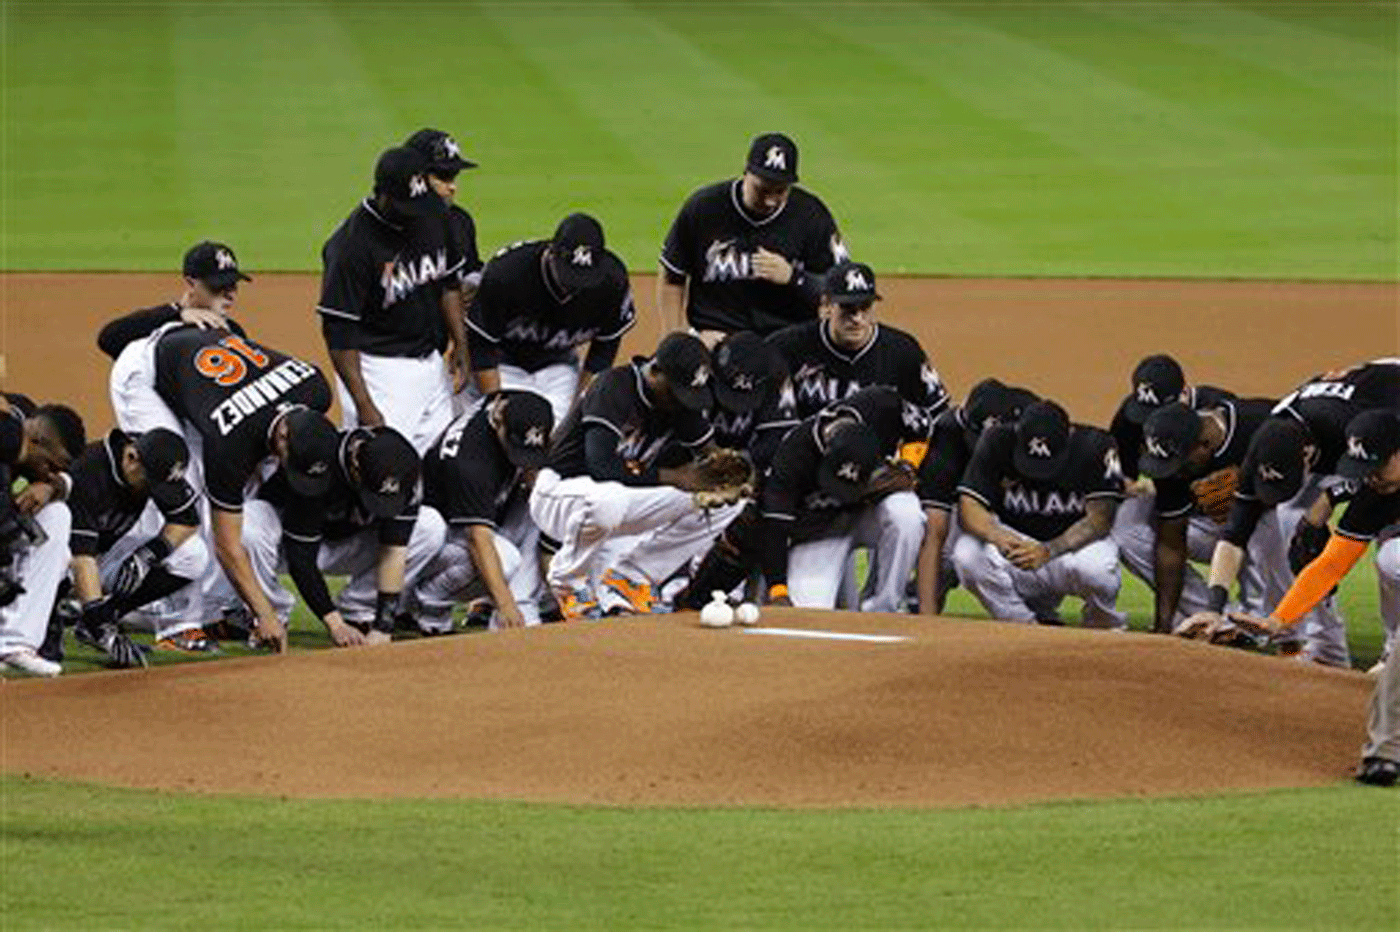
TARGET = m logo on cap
x,y
1147,394
855,281
701,378
583,255
449,145
1357,450
1268,473
224,258
417,186
316,469
848,471
776,158
743,382
534,437
177,473
1155,447
1039,447
390,486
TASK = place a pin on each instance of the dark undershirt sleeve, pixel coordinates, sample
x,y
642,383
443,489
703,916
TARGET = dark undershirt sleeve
x,y
341,333
135,326
774,543
601,354
301,565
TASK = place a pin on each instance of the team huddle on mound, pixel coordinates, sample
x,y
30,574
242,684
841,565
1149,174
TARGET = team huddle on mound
x,y
494,459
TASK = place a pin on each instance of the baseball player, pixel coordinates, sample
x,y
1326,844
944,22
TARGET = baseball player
x,y
477,477
750,385
831,487
1157,381
391,305
951,442
1372,460
748,253
364,523
541,300
1193,458
603,479
1287,488
244,403
1036,507
135,542
37,444
211,276
445,163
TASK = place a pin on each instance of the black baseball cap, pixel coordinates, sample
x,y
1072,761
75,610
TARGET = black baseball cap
x,y
850,282
851,458
991,401
747,369
312,446
164,456
389,469
577,249
773,157
1042,441
686,363
1277,459
401,174
444,155
214,264
529,422
1167,439
1372,439
1157,380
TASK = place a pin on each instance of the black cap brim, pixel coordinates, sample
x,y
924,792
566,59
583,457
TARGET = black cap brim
x,y
1357,469
768,174
224,279
523,457
847,299
1277,492
692,398
1137,413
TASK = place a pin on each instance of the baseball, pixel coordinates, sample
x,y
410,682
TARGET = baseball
x,y
746,614
717,614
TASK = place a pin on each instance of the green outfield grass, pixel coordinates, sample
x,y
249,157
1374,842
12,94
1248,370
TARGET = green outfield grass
x,y
87,858
1006,138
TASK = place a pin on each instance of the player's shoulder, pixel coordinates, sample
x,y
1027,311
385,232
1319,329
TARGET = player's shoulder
x,y
806,204
511,258
709,195
801,336
901,341
97,461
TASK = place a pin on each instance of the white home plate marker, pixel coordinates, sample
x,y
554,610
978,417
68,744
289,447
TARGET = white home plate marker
x,y
827,635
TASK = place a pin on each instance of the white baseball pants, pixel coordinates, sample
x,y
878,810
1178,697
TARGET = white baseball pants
x,y
179,611
414,395
558,384
40,568
892,529
452,576
1009,593
1323,629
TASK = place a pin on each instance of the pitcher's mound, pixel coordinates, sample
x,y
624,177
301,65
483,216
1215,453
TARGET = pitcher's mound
x,y
661,711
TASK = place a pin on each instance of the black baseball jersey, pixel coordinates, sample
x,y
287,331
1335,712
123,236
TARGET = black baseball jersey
x,y
521,315
1042,510
1368,514
1211,489
713,240
620,411
467,476
1128,435
382,284
105,507
1326,403
823,373
11,434
142,323
462,230
231,389
949,452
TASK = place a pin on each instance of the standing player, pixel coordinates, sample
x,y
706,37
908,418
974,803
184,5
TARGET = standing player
x,y
36,444
1193,458
1286,491
245,403
478,477
748,253
365,524
445,163
950,446
539,301
135,542
391,305
1037,505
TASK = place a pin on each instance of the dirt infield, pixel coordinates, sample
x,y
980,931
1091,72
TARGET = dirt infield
x,y
657,711
660,711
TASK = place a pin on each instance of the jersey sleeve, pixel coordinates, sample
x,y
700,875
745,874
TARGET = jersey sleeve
x,y
224,479
941,471
693,429
82,505
988,465
679,249
346,279
1368,514
134,326
486,315
11,436
1173,498
923,383
1105,478
178,503
472,497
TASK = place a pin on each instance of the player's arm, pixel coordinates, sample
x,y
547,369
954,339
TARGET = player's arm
x,y
483,339
1095,525
302,553
227,528
928,570
87,581
603,349
981,522
343,303
342,342
672,294
1169,571
454,315
481,544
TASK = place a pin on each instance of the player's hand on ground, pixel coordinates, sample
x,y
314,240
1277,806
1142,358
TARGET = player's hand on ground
x,y
203,318
35,496
1198,626
1259,627
270,633
509,616
375,638
771,267
342,633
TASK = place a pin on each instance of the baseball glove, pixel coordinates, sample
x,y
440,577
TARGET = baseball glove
x,y
1215,494
722,477
897,475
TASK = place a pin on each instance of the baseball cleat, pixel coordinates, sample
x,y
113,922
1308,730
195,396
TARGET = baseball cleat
x,y
27,661
188,641
577,605
635,596
1378,771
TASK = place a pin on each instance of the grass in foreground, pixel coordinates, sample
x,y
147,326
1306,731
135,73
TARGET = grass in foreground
x,y
87,858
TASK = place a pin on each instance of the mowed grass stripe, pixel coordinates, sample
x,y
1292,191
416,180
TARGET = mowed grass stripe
x,y
224,863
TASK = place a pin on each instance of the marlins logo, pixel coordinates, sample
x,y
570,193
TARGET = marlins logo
x,y
390,486
177,473
1156,448
724,263
701,378
534,437
1356,449
583,255
856,282
848,471
417,186
1268,473
775,158
1147,394
1039,447
225,260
